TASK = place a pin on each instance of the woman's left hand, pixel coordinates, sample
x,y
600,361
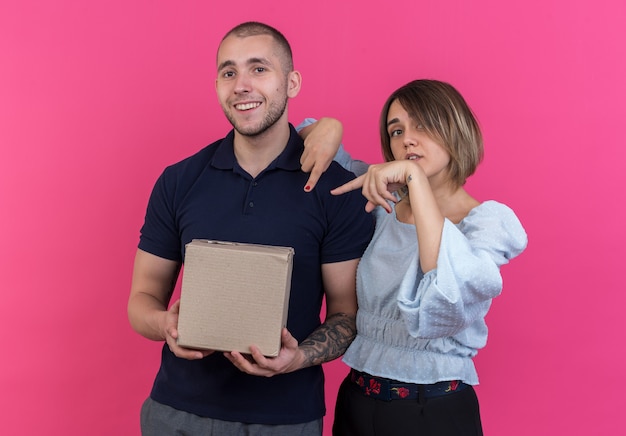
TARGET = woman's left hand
x,y
380,182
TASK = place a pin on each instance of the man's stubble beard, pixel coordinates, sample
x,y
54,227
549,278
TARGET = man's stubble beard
x,y
276,111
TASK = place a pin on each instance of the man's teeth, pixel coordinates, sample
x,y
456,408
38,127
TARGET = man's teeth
x,y
246,106
412,157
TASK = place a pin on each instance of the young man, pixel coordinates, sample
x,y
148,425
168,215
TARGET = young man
x,y
247,187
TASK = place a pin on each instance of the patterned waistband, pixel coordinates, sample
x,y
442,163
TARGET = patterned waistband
x,y
386,389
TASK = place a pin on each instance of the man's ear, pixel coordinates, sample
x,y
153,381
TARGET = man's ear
x,y
294,82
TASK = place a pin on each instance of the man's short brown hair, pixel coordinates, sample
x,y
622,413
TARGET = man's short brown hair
x,y
254,28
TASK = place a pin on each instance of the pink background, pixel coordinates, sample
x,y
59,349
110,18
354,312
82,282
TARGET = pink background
x,y
97,97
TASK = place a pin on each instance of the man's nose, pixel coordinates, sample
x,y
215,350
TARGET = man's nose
x,y
243,83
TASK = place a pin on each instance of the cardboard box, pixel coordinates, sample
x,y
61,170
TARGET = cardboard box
x,y
234,295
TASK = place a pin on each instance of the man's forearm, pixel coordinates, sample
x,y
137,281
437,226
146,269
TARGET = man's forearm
x,y
145,314
330,340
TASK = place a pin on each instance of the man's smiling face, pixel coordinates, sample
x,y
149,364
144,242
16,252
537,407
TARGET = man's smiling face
x,y
252,84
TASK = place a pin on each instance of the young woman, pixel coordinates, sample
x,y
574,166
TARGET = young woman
x,y
430,272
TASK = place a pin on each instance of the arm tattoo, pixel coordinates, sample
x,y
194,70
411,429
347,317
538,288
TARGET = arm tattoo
x,y
330,340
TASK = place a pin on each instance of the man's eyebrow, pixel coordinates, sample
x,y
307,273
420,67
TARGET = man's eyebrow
x,y
251,61
225,64
262,61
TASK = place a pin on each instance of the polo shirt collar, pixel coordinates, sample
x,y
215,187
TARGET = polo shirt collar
x,y
288,159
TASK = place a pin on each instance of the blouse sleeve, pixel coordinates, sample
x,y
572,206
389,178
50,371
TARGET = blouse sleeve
x,y
459,291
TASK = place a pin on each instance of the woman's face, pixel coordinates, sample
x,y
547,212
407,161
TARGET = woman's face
x,y
410,141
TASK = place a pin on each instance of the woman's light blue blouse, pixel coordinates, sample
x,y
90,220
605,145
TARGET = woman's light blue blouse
x,y
425,328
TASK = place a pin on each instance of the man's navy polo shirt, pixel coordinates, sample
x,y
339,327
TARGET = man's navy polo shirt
x,y
209,196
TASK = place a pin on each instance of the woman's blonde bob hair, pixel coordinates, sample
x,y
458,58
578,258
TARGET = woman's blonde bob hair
x,y
443,113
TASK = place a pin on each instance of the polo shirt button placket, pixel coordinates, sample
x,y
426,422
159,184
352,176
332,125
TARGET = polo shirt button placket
x,y
251,202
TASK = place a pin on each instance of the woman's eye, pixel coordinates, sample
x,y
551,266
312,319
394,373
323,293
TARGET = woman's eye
x,y
395,132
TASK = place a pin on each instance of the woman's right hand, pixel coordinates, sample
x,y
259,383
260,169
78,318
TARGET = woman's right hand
x,y
321,142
